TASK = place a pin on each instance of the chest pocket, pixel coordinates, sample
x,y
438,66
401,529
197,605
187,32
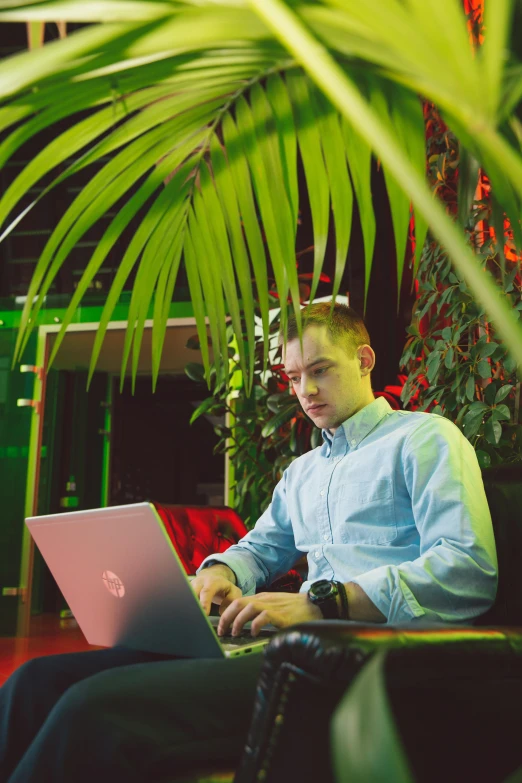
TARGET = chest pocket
x,y
366,513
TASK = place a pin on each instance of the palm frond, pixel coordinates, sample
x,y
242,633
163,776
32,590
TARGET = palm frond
x,y
227,96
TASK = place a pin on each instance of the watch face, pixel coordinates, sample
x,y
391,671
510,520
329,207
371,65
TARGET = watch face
x,y
322,589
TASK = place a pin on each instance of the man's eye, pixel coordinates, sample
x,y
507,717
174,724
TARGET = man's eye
x,y
294,380
320,370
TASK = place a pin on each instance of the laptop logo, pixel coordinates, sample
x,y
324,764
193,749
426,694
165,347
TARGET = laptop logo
x,y
113,584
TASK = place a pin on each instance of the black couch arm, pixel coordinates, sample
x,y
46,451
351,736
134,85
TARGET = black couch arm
x,y
308,668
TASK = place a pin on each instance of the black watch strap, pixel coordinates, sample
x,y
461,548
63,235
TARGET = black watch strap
x,y
345,607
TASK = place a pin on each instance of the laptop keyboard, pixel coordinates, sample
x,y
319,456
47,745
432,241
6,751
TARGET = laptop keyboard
x,y
243,639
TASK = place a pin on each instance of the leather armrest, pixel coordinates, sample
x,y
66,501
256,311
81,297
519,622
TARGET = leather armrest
x,y
307,669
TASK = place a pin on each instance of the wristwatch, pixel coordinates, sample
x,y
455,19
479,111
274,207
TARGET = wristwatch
x,y
324,595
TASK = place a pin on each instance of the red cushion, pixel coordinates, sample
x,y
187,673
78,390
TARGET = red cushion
x,y
199,531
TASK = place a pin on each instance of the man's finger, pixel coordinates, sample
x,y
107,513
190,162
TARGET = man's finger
x,y
260,621
248,613
233,594
206,595
230,613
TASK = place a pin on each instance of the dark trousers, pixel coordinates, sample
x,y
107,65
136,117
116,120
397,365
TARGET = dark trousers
x,y
118,714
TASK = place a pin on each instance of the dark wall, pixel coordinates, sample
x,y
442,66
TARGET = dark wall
x,y
155,453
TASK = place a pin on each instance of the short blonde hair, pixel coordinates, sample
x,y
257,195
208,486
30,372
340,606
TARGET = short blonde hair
x,y
342,323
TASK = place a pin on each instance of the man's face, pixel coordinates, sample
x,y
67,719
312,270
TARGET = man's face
x,y
327,376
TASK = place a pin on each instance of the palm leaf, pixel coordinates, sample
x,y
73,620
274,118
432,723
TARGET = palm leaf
x,y
284,120
163,298
197,301
223,78
359,155
240,176
229,204
349,100
366,704
211,287
341,191
309,138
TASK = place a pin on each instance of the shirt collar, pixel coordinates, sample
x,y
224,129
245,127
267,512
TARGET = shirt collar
x,y
358,426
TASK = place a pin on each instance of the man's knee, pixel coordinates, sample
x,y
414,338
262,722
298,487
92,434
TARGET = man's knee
x,y
85,705
33,671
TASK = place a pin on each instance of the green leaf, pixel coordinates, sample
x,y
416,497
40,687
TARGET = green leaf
x,y
488,349
510,364
478,406
449,360
470,387
276,401
366,703
461,414
484,459
239,256
493,431
433,365
502,393
490,393
277,94
484,369
467,185
309,139
492,51
359,155
399,201
278,421
239,173
195,371
209,276
212,223
341,191
501,413
164,292
264,164
197,302
204,407
471,423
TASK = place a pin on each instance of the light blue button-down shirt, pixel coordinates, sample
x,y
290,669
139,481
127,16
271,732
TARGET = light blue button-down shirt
x,y
394,502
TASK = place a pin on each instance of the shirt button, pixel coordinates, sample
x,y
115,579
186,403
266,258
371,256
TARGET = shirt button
x,y
317,554
353,443
322,492
326,538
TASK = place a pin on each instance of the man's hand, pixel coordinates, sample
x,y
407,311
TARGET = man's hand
x,y
279,609
216,585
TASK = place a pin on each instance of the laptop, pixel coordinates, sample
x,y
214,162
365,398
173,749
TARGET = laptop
x,y
125,584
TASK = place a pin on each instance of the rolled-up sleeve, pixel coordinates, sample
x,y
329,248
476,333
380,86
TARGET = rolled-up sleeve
x,y
266,552
455,577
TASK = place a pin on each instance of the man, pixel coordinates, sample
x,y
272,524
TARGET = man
x,y
392,516
392,504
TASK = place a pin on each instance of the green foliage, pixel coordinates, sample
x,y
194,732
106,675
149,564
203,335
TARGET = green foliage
x,y
458,366
220,98
264,432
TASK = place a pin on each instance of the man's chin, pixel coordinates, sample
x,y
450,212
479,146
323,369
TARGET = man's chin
x,y
324,422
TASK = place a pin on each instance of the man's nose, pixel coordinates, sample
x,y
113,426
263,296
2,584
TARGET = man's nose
x,y
308,387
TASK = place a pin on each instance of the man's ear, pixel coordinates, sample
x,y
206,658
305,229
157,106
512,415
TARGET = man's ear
x,y
366,356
